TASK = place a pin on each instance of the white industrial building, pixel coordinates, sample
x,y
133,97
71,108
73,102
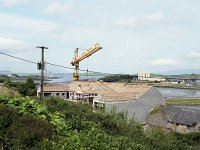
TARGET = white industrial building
x,y
145,76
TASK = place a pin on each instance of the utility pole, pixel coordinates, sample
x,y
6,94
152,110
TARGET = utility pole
x,y
42,72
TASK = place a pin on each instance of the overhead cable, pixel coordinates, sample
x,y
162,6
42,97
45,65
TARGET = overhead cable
x,y
18,58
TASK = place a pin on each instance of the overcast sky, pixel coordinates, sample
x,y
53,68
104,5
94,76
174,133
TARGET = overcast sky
x,y
136,35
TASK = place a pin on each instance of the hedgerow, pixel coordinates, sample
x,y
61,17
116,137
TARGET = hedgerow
x,y
55,124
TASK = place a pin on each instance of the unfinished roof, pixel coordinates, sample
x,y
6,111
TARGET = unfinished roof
x,y
182,116
56,88
110,91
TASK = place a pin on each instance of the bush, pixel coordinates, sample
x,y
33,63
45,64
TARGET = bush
x,y
68,125
25,89
190,138
22,132
117,78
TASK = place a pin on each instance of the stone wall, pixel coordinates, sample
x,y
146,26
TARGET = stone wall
x,y
159,119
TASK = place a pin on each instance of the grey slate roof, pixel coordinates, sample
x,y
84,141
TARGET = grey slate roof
x,y
139,108
182,116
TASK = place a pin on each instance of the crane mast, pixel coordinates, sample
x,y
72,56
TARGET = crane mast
x,y
77,59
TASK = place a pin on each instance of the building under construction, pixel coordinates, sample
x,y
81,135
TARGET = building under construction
x,y
86,91
137,99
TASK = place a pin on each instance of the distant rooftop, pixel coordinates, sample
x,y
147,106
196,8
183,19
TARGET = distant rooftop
x,y
55,88
182,116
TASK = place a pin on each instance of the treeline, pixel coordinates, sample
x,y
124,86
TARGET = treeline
x,y
3,78
55,124
117,78
27,88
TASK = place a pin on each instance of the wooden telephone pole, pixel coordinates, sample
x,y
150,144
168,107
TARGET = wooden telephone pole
x,y
42,72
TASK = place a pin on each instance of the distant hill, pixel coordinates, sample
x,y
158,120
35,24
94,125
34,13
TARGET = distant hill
x,y
156,75
180,72
5,72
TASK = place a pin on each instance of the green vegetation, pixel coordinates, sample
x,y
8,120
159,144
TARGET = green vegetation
x,y
184,102
55,124
177,85
22,131
25,89
3,78
155,110
156,75
94,74
117,78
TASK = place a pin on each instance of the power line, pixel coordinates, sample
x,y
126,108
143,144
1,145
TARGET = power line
x,y
18,58
85,70
26,60
57,71
56,67
61,75
65,77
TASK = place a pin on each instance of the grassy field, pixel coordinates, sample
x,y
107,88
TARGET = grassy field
x,y
172,85
155,110
184,102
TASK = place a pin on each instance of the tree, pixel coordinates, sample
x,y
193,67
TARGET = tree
x,y
30,82
30,87
7,82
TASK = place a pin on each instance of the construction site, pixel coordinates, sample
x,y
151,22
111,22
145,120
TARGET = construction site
x,y
87,90
142,97
111,92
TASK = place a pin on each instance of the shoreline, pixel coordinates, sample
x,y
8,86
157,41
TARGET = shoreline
x,y
192,88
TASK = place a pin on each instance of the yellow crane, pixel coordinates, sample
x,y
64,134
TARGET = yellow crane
x,y
77,59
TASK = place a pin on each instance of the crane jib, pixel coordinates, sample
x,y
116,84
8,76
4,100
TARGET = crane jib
x,y
77,59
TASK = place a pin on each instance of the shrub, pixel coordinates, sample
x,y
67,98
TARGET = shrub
x,y
22,132
67,125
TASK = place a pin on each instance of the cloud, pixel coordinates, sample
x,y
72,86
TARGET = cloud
x,y
9,43
14,2
194,54
163,62
71,32
58,8
156,18
13,46
26,23
34,27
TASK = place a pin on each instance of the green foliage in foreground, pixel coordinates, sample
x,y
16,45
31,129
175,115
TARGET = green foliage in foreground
x,y
22,131
184,102
56,124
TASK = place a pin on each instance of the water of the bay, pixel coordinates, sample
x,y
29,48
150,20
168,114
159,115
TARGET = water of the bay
x,y
179,93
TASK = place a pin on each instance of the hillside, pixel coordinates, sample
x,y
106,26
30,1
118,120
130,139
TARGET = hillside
x,y
5,72
4,90
58,125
